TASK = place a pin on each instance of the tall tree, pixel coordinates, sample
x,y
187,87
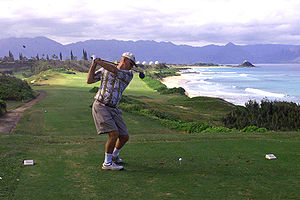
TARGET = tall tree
x,y
72,57
60,56
84,55
21,56
47,57
11,56
37,57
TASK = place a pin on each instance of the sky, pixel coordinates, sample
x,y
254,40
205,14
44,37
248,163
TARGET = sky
x,y
191,22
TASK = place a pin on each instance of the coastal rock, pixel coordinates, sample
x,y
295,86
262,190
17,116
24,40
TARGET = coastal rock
x,y
246,64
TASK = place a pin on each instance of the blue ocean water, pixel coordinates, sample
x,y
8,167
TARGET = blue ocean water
x,y
238,85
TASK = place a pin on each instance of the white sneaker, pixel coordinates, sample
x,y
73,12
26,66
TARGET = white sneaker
x,y
111,166
117,160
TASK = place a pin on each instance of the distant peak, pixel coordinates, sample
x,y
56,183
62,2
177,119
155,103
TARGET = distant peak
x,y
229,44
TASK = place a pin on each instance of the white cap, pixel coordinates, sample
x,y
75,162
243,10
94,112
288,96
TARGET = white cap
x,y
129,56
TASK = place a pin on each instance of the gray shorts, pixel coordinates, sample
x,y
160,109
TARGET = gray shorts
x,y
108,119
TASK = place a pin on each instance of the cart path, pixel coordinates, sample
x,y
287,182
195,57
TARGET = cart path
x,y
9,121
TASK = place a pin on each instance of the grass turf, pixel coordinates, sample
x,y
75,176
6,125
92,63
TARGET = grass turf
x,y
68,155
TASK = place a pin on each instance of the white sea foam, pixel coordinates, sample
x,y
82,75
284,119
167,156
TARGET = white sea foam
x,y
264,93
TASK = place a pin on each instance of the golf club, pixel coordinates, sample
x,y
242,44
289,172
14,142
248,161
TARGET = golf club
x,y
141,74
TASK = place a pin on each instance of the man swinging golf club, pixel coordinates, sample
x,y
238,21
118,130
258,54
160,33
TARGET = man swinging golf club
x,y
107,117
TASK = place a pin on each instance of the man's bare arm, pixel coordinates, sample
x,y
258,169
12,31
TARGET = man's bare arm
x,y
109,67
91,74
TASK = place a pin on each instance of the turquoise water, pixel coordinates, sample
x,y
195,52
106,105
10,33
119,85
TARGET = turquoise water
x,y
238,85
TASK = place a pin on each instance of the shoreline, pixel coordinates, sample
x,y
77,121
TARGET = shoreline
x,y
202,87
177,81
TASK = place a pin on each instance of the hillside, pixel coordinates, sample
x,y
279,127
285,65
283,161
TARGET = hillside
x,y
151,51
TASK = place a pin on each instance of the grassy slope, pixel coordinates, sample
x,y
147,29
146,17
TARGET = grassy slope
x,y
68,153
202,109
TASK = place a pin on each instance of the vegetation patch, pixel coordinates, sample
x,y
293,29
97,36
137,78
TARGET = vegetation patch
x,y
272,115
2,107
12,88
64,71
254,129
168,120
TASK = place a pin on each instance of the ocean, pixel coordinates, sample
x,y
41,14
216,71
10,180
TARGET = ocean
x,y
238,85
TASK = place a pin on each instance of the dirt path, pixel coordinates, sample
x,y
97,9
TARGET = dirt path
x,y
9,121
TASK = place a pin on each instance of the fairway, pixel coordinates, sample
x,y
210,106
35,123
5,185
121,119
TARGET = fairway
x,y
59,134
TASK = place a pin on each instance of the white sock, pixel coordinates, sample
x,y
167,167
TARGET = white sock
x,y
108,158
116,152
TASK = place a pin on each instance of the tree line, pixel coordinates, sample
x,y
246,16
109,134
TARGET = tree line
x,y
273,115
21,57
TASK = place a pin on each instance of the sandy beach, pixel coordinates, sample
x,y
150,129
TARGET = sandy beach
x,y
176,81
173,81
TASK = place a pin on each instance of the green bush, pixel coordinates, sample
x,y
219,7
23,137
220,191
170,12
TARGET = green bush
x,y
254,129
159,114
12,88
190,127
272,115
215,129
179,90
2,107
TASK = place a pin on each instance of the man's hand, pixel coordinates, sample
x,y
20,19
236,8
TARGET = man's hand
x,y
91,73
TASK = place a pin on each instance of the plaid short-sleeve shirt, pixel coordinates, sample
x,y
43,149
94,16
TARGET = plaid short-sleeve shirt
x,y
112,85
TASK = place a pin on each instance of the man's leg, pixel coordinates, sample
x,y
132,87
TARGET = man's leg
x,y
122,140
109,147
111,142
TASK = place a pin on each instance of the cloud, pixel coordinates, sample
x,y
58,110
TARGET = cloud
x,y
190,22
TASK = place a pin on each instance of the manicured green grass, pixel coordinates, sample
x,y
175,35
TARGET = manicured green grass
x,y
68,154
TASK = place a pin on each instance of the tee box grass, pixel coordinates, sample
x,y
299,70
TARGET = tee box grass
x,y
59,134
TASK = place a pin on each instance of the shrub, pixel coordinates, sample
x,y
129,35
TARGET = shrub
x,y
2,107
12,88
197,127
215,129
159,114
253,129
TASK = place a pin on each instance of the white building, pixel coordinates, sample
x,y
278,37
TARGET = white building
x,y
151,63
144,63
156,62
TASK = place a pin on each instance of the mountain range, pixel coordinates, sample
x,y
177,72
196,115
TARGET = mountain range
x,y
146,50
